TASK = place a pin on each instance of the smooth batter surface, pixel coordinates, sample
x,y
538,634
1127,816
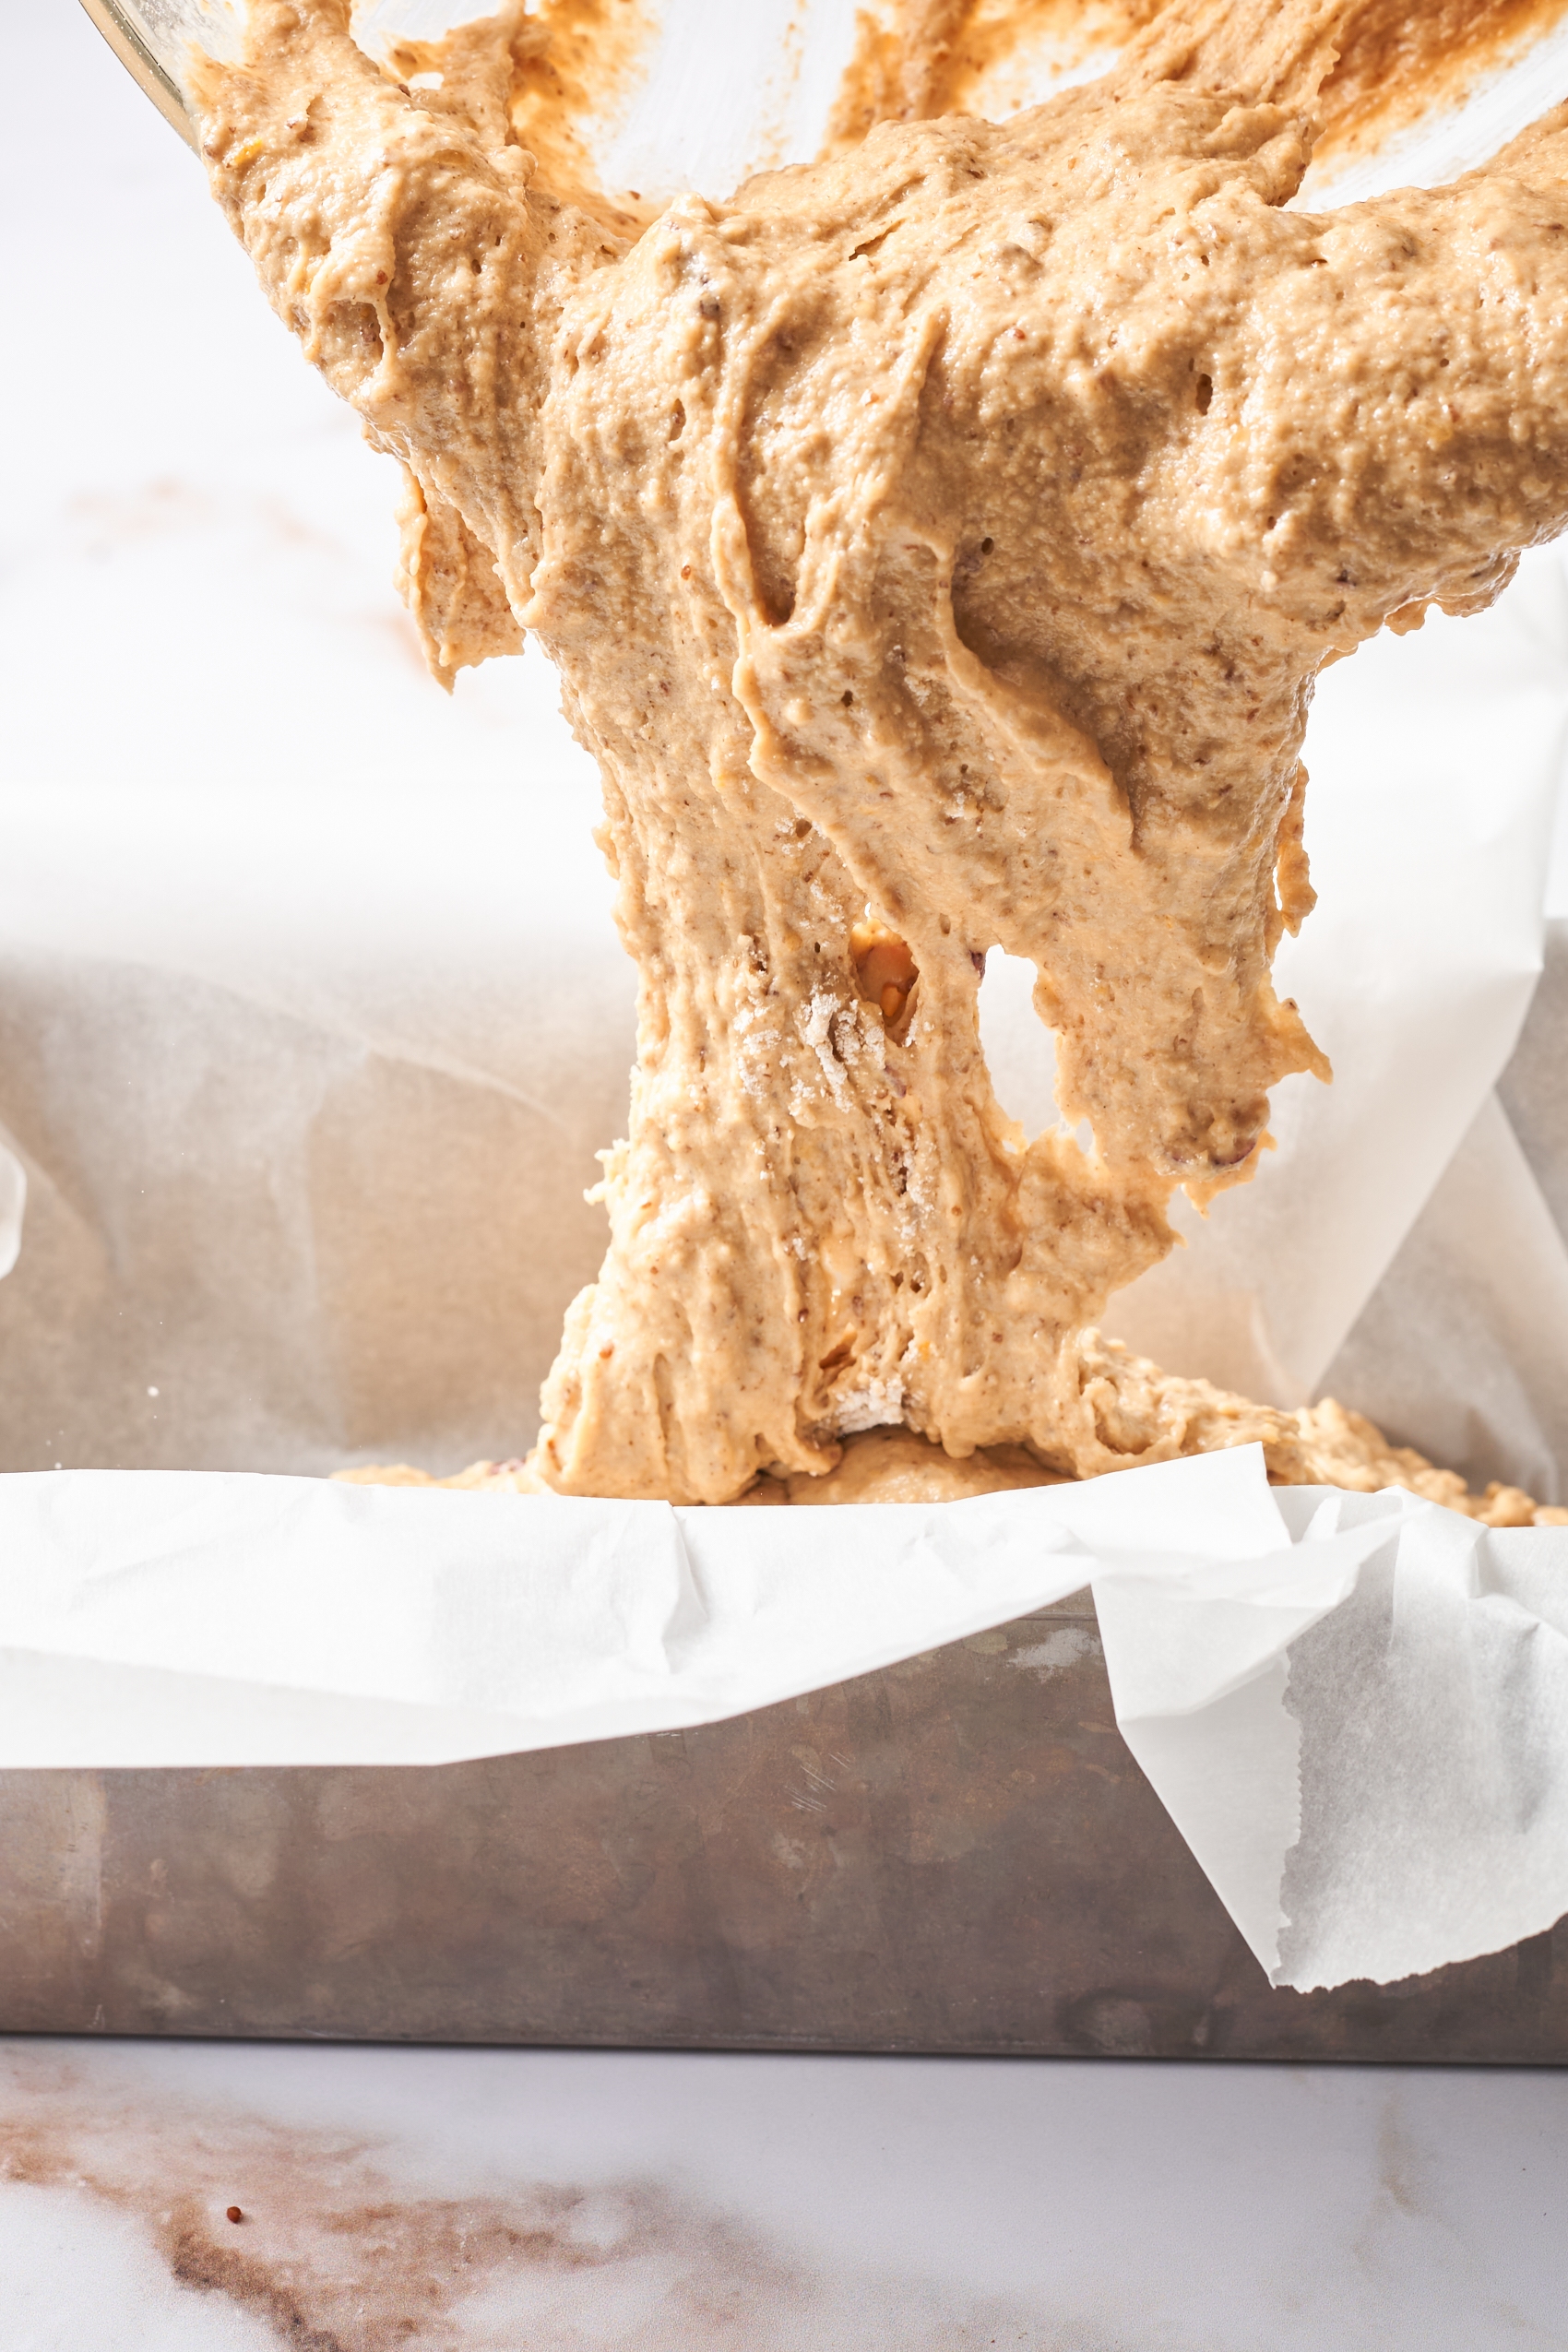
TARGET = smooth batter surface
x,y
938,546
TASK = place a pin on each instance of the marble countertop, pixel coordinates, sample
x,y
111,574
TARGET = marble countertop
x,y
486,2200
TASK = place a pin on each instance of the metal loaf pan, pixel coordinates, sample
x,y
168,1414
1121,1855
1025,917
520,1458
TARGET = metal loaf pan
x,y
957,1854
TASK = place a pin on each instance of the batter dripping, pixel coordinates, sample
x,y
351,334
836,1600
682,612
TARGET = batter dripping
x,y
938,546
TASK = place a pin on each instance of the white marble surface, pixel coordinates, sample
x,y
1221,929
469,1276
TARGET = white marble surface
x,y
517,2201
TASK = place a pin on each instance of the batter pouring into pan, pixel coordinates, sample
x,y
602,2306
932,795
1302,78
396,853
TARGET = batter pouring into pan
x,y
938,546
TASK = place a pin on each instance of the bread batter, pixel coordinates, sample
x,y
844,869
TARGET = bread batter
x,y
938,545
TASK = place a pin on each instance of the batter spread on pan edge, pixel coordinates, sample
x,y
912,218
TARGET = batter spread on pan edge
x,y
938,546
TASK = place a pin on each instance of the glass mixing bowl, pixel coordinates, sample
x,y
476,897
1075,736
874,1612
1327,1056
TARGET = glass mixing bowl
x,y
724,90
721,91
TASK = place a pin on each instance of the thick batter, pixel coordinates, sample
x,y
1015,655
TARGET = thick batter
x,y
938,546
